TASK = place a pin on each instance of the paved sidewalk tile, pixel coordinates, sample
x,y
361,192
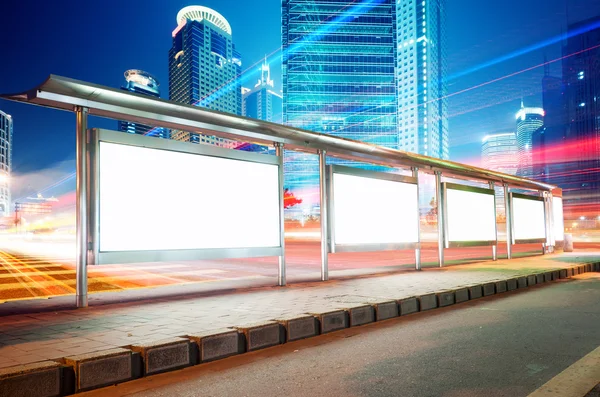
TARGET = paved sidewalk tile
x,y
37,337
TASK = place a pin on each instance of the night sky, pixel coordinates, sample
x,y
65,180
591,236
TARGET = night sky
x,y
97,41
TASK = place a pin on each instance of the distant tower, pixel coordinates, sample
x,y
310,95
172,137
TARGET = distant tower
x,y
262,102
204,68
529,120
499,153
6,131
143,83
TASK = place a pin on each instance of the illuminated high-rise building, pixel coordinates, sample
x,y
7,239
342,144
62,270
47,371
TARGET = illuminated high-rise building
x,y
529,120
371,71
144,83
421,69
262,102
339,75
204,67
6,132
499,153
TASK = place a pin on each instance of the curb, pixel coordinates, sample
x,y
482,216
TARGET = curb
x,y
79,373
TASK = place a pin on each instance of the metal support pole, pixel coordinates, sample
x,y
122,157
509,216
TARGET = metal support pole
x,y
495,246
547,246
551,236
81,208
324,214
508,212
415,174
440,216
281,277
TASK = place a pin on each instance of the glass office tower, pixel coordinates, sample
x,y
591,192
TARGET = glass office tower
x,y
144,83
339,77
204,67
6,132
421,69
529,120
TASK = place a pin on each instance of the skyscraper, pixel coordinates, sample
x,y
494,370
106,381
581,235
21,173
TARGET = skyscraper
x,y
262,102
371,71
204,67
6,131
421,68
528,121
144,83
339,75
581,79
499,153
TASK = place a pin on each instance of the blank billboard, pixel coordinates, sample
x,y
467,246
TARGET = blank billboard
x,y
371,211
152,199
558,218
529,222
470,215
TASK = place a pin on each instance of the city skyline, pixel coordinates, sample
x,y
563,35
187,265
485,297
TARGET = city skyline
x,y
463,114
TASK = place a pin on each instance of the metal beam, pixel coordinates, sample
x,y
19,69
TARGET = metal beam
x,y
64,93
495,246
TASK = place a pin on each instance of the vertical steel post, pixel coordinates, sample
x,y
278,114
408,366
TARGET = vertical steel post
x,y
415,174
551,236
281,276
440,216
81,208
495,246
508,212
324,214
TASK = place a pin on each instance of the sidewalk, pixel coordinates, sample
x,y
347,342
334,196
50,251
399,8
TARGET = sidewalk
x,y
30,338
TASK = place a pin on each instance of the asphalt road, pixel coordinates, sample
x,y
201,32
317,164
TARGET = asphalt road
x,y
506,345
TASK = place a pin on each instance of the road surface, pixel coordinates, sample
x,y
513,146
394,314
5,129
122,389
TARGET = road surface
x,y
507,345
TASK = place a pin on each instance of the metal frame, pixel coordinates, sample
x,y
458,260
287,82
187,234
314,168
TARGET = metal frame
x,y
64,93
91,99
513,195
110,257
338,169
324,212
472,189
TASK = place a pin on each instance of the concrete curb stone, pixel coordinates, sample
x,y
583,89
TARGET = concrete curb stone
x,y
332,321
461,295
547,277
539,278
427,302
261,335
522,282
40,379
409,306
361,315
475,292
164,355
217,344
445,298
501,286
489,289
299,327
562,273
511,284
531,280
386,310
103,368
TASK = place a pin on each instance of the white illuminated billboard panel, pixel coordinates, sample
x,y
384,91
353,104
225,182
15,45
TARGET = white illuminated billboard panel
x,y
528,219
154,199
471,216
374,211
559,222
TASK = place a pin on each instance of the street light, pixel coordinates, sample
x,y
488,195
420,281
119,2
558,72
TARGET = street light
x,y
582,218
